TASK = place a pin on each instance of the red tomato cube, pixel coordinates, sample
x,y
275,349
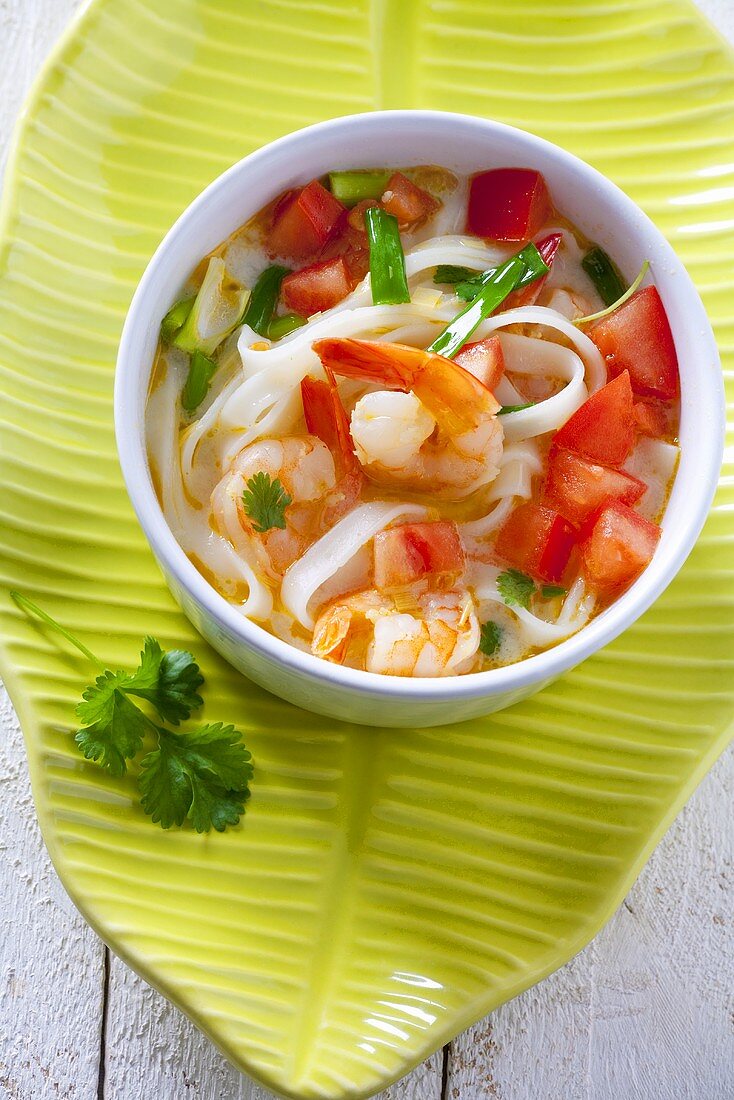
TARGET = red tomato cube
x,y
304,221
576,488
637,338
484,359
537,540
318,287
508,204
652,418
409,203
618,546
602,430
404,554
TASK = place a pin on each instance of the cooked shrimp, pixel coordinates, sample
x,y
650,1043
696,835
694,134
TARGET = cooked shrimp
x,y
305,468
440,435
438,636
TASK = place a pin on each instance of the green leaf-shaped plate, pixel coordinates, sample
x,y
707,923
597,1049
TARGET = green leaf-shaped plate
x,y
386,888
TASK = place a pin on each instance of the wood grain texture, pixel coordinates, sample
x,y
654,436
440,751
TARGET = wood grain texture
x,y
645,1012
51,963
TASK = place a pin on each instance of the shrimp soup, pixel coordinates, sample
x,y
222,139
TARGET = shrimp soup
x,y
414,423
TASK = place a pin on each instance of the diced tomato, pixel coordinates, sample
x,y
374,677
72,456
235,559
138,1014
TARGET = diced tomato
x,y
318,287
529,294
651,418
327,419
484,359
576,488
537,540
304,221
602,430
409,203
618,546
508,204
404,554
637,338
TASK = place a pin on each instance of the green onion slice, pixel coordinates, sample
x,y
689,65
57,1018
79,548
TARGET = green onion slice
x,y
604,275
217,310
620,301
175,319
519,270
201,372
281,326
264,299
514,408
387,262
469,289
353,187
548,591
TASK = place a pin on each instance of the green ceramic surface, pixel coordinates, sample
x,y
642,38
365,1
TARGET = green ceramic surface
x,y
385,889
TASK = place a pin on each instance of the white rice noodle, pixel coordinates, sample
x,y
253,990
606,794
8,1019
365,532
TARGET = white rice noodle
x,y
480,528
506,393
334,549
524,355
515,479
190,525
192,436
653,462
596,371
229,565
575,612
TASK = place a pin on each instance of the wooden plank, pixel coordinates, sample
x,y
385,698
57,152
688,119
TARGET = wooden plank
x,y
51,963
647,1010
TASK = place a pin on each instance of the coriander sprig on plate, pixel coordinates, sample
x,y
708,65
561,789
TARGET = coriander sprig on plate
x,y
203,775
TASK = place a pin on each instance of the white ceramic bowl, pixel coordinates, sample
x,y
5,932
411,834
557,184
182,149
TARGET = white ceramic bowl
x,y
465,144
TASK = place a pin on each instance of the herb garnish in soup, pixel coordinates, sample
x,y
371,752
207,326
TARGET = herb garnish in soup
x,y
413,423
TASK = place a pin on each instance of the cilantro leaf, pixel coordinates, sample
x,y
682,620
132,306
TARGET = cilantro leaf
x,y
490,636
203,776
452,274
515,588
265,502
168,680
114,727
548,591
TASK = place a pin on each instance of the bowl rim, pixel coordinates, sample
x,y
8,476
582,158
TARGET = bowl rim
x,y
132,372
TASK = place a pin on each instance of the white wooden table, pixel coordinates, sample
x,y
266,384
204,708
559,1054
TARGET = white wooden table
x,y
646,1012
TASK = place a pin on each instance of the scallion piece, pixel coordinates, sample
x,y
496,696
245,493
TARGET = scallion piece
x,y
387,262
619,302
604,275
201,372
468,290
549,591
519,270
353,187
264,299
452,274
281,326
217,310
175,319
514,408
